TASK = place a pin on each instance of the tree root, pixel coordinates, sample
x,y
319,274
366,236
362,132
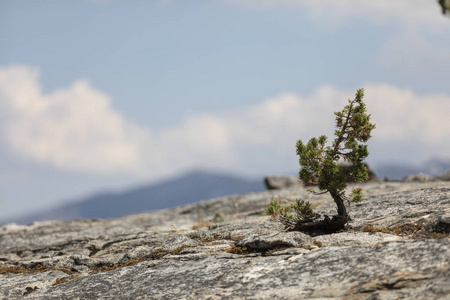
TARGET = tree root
x,y
311,227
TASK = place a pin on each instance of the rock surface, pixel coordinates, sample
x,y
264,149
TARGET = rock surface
x,y
395,247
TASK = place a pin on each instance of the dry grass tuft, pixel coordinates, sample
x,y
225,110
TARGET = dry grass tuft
x,y
65,279
179,249
202,223
407,229
238,250
206,237
375,229
155,255
35,269
317,243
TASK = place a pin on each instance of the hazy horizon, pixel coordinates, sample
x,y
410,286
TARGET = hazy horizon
x,y
109,94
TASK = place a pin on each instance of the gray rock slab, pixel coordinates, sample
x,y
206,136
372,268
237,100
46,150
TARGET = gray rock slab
x,y
17,286
195,264
275,240
402,269
356,238
392,209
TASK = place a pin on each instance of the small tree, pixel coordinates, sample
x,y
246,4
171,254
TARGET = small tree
x,y
319,164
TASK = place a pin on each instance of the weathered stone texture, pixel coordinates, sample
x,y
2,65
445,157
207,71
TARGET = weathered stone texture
x,y
241,254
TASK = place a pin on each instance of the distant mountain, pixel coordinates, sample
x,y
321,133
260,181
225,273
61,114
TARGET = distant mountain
x,y
189,188
396,171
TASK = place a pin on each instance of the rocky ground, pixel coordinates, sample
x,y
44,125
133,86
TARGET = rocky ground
x,y
396,247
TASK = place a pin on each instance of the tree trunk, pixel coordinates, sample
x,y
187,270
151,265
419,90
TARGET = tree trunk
x,y
342,211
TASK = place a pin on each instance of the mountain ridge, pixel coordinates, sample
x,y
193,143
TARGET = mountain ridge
x,y
399,171
184,189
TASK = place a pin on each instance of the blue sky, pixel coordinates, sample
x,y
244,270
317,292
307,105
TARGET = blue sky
x,y
98,95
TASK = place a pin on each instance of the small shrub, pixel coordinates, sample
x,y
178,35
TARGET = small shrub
x,y
304,211
356,195
273,208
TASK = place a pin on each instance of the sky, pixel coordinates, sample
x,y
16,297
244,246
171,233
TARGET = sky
x,y
100,95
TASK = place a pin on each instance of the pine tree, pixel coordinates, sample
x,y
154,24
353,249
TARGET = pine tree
x,y
320,166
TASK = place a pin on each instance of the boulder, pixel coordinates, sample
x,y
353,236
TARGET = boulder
x,y
345,166
282,182
444,177
290,182
421,177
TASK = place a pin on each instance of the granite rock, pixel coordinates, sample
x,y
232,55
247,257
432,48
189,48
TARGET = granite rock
x,y
395,247
444,176
421,177
281,182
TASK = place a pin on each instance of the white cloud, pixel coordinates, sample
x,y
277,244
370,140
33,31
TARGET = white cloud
x,y
404,117
409,127
410,52
405,11
71,129
77,129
